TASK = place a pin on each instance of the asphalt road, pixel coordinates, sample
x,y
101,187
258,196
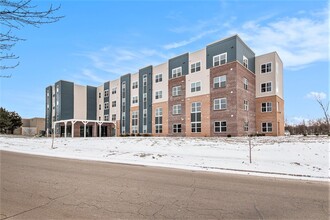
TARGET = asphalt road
x,y
35,187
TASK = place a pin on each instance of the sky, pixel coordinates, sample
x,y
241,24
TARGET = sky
x,y
99,41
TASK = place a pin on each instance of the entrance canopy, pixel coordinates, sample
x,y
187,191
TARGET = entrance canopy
x,y
85,122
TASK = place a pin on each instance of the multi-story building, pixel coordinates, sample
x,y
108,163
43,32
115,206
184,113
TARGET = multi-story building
x,y
220,90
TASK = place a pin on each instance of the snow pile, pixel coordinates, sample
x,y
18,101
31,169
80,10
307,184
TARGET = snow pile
x,y
293,157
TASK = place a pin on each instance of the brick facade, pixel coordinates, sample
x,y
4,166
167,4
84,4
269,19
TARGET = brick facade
x,y
176,100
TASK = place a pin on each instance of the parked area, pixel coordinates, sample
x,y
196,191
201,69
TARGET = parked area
x,y
293,157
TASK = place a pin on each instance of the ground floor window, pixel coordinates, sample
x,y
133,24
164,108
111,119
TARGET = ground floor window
x,y
220,126
159,120
177,128
267,127
246,126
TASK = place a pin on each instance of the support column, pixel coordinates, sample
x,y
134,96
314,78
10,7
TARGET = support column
x,y
85,123
72,128
100,128
65,123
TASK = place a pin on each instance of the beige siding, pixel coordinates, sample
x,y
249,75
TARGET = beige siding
x,y
134,92
114,97
275,76
100,101
202,76
160,86
80,100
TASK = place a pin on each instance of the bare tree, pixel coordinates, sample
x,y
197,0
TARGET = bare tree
x,y
325,109
15,15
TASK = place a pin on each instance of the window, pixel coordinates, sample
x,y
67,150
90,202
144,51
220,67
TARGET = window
x,y
106,117
220,104
159,120
99,118
220,126
47,94
176,91
246,126
195,67
176,128
114,90
114,104
113,117
159,95
106,93
135,122
57,88
266,68
196,117
100,94
220,59
245,62
267,127
220,81
176,72
135,85
266,107
177,109
246,105
266,87
106,105
246,83
100,107
195,86
134,99
159,78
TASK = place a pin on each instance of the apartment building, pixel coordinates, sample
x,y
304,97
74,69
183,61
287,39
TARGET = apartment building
x,y
220,90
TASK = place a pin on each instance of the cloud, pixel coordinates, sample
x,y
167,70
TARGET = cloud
x,y
300,41
317,95
109,62
189,41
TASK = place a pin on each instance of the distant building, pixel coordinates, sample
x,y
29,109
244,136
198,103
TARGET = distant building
x,y
31,127
220,90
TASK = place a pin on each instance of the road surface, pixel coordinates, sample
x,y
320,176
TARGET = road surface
x,y
36,187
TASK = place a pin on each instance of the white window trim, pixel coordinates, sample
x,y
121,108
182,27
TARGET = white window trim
x,y
200,66
175,69
219,104
220,127
159,74
266,107
159,92
267,127
195,83
271,67
219,55
271,87
247,63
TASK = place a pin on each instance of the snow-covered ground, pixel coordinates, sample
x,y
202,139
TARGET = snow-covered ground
x,y
289,157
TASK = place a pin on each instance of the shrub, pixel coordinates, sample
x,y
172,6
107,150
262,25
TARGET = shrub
x,y
316,134
132,135
305,134
229,135
138,134
146,135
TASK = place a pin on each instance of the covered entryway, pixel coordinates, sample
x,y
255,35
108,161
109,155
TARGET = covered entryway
x,y
84,128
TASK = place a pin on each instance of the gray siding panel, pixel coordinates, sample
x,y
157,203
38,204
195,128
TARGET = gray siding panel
x,y
64,98
147,70
182,60
235,49
106,99
91,102
243,50
127,79
226,46
67,100
48,116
